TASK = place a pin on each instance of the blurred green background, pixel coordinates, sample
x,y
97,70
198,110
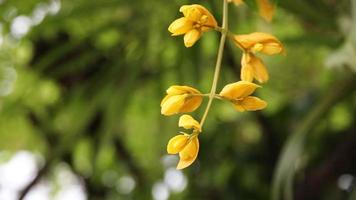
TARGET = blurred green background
x,y
81,83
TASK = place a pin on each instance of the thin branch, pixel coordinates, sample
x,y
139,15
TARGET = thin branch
x,y
218,62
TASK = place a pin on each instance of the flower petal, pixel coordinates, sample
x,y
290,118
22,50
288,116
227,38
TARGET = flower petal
x,y
177,143
259,42
188,122
191,103
178,89
166,98
272,48
172,104
190,11
266,9
262,37
259,69
250,103
180,26
244,40
239,108
191,37
189,153
247,71
238,90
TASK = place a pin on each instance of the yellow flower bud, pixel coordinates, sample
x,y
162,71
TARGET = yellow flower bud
x,y
188,122
191,37
189,153
178,89
180,99
266,9
239,94
187,148
238,90
253,68
196,20
177,143
247,72
180,26
172,104
259,42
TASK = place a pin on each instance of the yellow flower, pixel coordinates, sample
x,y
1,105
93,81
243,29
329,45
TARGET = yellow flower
x,y
188,122
177,144
239,94
266,9
189,153
180,99
196,20
186,145
187,148
259,42
253,68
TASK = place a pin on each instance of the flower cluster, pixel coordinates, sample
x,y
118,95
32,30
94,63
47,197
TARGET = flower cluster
x,y
196,20
183,99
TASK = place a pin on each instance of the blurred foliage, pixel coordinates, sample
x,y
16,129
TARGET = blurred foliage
x,y
82,86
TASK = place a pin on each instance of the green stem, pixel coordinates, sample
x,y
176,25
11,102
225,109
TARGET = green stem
x,y
199,95
218,61
216,96
224,30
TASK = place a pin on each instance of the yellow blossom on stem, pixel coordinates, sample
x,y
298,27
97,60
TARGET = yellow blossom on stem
x,y
239,94
180,99
266,9
253,67
188,122
177,144
259,42
197,19
189,154
186,145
